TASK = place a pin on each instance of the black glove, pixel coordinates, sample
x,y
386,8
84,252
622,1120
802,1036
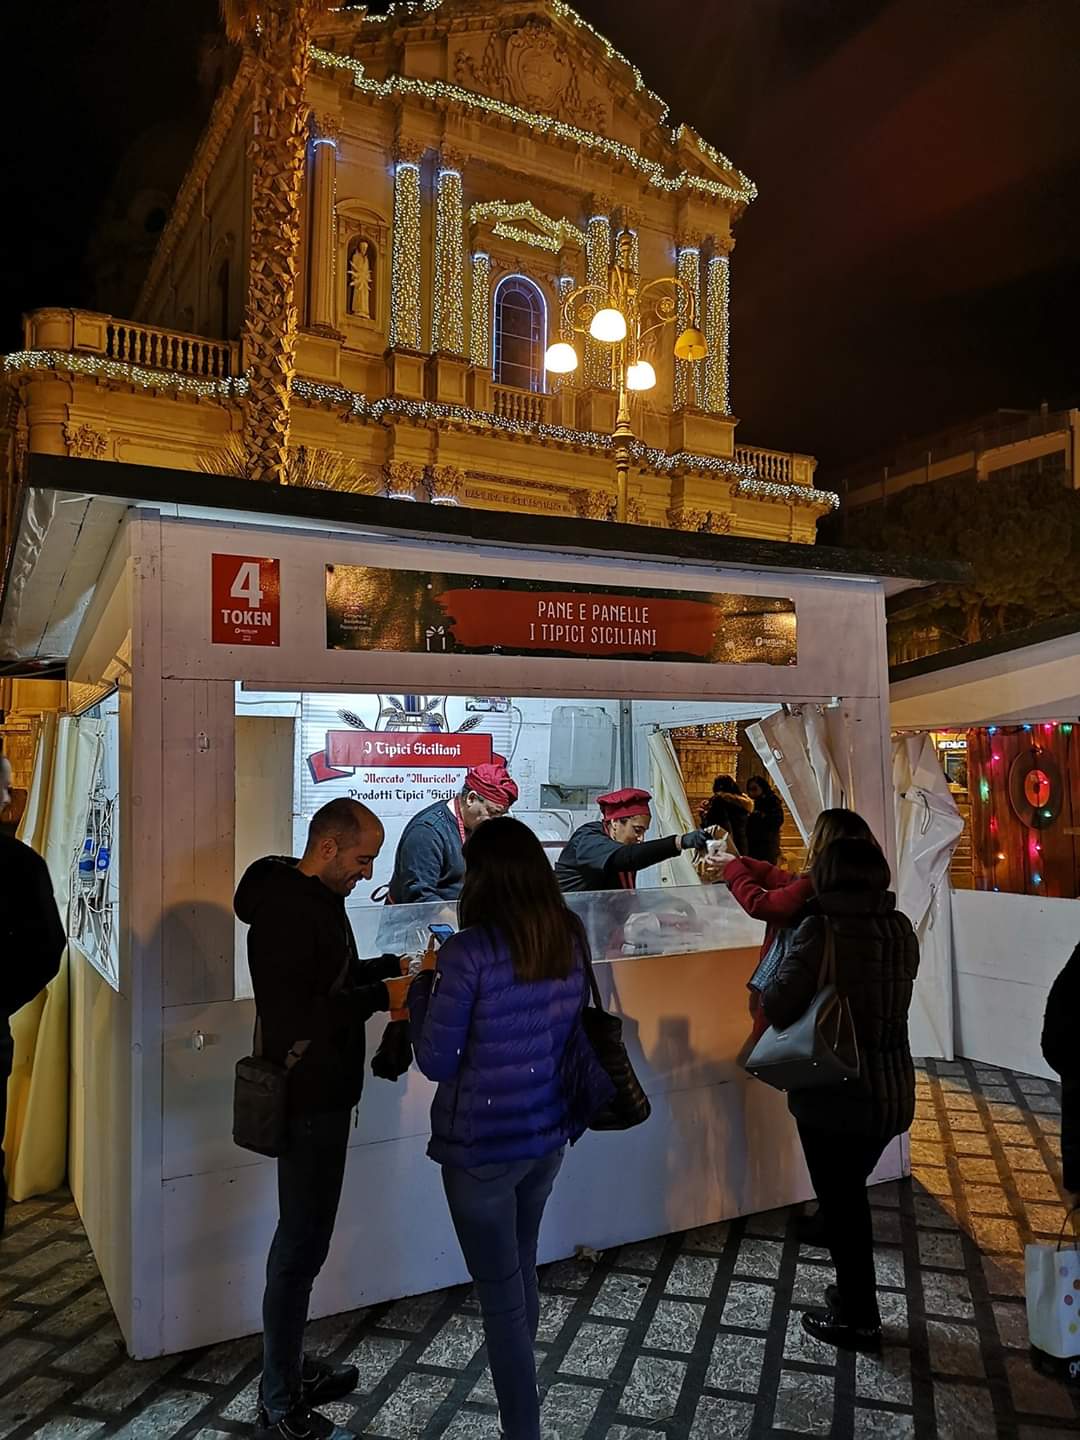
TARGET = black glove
x,y
695,840
394,1055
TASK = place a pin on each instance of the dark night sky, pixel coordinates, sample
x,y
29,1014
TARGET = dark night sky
x,y
913,257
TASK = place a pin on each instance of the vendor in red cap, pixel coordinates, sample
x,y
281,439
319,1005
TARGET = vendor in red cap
x,y
430,861
607,854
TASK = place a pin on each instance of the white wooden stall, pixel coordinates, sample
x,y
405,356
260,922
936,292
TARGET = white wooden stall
x,y
178,1217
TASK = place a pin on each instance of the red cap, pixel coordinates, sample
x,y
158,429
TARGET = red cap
x,y
492,782
621,804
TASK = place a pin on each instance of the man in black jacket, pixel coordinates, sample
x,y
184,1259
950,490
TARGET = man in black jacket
x,y
313,996
607,854
32,941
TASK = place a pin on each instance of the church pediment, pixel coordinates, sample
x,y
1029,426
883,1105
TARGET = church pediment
x,y
532,65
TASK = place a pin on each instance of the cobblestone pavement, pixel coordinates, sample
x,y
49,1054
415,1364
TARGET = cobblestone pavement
x,y
692,1336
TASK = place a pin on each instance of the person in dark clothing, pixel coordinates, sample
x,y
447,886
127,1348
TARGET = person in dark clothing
x,y
844,1128
1061,1053
607,854
429,863
313,995
492,1025
765,823
728,810
32,942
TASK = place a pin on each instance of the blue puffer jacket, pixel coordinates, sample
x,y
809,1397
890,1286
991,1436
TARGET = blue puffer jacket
x,y
495,1046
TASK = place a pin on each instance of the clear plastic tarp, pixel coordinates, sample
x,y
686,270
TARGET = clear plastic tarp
x,y
620,924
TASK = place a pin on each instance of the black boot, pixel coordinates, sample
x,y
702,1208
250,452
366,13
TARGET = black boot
x,y
811,1230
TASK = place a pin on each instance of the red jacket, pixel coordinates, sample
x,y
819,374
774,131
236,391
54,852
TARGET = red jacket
x,y
767,893
770,894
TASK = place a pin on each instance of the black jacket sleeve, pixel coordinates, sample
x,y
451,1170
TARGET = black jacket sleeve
x,y
419,862
1059,1046
598,852
788,995
34,936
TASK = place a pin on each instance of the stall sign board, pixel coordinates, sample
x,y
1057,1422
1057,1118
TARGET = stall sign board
x,y
245,600
409,611
403,750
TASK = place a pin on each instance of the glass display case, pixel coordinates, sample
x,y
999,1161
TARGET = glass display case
x,y
620,924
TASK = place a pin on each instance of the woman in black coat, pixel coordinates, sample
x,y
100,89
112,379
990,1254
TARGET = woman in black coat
x,y
844,1128
764,824
1061,1053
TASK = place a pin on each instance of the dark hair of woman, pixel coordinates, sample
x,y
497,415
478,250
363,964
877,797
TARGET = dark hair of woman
x,y
725,785
854,866
510,886
837,824
767,791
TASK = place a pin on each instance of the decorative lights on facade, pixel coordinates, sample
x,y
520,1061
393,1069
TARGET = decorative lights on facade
x,y
718,335
448,297
480,312
406,258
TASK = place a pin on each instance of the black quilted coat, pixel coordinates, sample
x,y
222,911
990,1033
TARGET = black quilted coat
x,y
877,958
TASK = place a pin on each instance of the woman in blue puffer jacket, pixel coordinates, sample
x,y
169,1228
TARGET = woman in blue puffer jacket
x,y
491,1025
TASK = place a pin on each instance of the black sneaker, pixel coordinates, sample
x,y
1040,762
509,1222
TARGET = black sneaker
x,y
324,1382
826,1326
301,1423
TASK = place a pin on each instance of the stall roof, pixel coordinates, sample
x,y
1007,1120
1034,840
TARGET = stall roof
x,y
1019,677
71,509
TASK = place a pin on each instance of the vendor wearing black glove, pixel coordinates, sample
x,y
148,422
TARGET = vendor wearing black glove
x,y
606,854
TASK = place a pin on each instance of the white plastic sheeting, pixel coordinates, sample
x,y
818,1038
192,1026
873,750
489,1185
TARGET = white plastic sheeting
x,y
806,750
928,827
671,808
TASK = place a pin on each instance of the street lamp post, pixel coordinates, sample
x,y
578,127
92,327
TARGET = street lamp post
x,y
614,315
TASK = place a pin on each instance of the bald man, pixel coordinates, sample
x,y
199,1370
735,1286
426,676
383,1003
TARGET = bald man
x,y
313,996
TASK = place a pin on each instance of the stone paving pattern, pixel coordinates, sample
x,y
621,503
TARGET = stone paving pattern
x,y
693,1336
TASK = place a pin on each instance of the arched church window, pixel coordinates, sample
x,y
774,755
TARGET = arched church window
x,y
520,333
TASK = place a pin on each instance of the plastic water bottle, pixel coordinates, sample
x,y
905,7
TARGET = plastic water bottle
x,y
86,862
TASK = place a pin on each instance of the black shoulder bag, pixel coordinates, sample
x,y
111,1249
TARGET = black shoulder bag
x,y
261,1091
818,1049
630,1105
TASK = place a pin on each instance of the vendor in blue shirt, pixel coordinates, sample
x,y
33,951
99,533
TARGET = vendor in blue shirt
x,y
607,854
429,863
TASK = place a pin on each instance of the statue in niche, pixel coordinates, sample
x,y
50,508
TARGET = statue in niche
x,y
361,280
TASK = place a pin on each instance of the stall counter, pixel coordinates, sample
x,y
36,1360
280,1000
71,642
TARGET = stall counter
x,y
718,1145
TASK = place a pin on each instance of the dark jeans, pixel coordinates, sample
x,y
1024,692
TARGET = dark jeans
x,y
840,1166
7,1056
496,1210
309,1188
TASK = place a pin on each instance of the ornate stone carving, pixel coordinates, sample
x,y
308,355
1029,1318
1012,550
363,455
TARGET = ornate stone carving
x,y
720,522
445,484
532,68
686,517
635,512
325,125
594,504
85,442
402,477
451,158
408,150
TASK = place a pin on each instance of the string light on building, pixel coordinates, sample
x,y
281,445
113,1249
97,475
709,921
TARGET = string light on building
x,y
718,335
687,370
597,370
480,311
442,92
448,300
742,475
505,216
406,258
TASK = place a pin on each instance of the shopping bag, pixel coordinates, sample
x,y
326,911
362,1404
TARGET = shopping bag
x,y
1052,1285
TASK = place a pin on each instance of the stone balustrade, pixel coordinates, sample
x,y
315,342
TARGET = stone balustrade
x,y
778,466
149,346
529,407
